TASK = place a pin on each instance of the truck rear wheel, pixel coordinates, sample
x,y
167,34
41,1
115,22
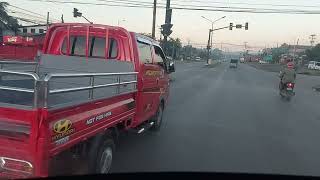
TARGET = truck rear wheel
x,y
158,118
101,155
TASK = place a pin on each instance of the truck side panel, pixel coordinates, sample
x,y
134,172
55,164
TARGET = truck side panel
x,y
69,126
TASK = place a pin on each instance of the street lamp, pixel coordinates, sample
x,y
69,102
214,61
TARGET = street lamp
x,y
123,20
210,34
212,22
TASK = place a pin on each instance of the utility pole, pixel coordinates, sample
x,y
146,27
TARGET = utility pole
x,y
208,46
62,20
173,49
166,27
167,10
48,20
312,39
245,48
295,48
154,19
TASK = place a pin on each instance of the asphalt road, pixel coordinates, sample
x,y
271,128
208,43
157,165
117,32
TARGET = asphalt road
x,y
229,120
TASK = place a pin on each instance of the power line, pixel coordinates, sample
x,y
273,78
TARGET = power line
x,y
202,8
29,20
40,15
241,3
18,12
25,10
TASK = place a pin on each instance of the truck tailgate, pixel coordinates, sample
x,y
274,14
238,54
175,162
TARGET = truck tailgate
x,y
17,145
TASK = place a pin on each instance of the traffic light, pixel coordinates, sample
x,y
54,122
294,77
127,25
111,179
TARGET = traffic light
x,y
166,29
239,26
231,26
246,27
76,13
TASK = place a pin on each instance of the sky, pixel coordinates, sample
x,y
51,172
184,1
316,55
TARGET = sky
x,y
265,30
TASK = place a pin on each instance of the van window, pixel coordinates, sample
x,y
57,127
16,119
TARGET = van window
x,y
96,47
144,53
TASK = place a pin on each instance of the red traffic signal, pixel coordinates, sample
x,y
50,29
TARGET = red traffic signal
x,y
76,13
246,27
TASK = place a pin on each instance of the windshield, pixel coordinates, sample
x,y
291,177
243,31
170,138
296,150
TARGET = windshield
x,y
131,86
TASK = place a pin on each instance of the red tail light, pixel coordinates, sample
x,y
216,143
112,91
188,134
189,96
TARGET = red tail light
x,y
15,165
290,85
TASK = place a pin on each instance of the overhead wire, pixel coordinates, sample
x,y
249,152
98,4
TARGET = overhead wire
x,y
34,13
243,3
190,7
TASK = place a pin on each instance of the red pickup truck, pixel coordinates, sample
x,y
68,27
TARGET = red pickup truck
x,y
89,83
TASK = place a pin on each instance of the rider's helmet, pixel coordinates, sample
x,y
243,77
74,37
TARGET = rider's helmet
x,y
290,65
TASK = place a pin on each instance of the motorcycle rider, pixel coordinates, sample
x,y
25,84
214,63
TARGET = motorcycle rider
x,y
287,75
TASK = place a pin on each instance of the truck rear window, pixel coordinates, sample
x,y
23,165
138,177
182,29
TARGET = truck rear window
x,y
97,46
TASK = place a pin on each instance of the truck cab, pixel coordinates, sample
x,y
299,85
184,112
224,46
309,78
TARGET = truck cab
x,y
90,83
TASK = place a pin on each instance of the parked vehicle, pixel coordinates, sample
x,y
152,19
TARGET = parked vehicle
x,y
91,82
242,60
262,62
233,63
314,65
20,47
198,59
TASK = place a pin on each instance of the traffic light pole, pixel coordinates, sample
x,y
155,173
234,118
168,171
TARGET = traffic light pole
x,y
154,19
167,21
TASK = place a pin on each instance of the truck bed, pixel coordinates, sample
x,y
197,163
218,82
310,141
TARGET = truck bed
x,y
50,64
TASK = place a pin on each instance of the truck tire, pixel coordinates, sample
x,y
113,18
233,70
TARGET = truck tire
x,y
101,155
158,118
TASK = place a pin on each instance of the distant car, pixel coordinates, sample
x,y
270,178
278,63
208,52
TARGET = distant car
x,y
198,59
233,63
241,60
262,62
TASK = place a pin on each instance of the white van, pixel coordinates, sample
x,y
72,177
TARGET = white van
x,y
314,65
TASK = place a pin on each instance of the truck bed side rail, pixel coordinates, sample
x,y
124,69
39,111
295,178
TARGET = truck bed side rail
x,y
92,86
15,93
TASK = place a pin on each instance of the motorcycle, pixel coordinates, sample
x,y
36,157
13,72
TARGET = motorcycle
x,y
287,91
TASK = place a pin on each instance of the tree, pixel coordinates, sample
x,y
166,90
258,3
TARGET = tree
x,y
173,47
5,18
314,53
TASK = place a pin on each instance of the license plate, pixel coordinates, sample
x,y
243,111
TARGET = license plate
x,y
289,89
